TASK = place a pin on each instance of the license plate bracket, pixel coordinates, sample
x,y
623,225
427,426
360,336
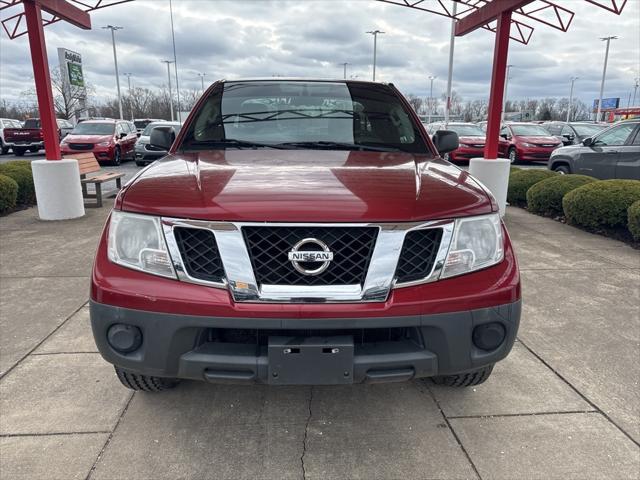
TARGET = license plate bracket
x,y
310,360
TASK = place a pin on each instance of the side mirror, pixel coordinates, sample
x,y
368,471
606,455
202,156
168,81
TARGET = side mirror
x,y
587,142
446,141
123,134
162,138
138,134
505,136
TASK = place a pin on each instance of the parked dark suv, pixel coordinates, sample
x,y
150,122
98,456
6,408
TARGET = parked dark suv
x,y
613,153
574,133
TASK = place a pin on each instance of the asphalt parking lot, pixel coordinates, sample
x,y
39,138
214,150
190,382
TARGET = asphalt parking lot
x,y
565,404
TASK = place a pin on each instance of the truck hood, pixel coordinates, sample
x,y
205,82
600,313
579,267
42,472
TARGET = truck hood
x,y
304,186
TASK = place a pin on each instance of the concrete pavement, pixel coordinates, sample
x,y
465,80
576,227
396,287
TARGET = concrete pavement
x,y
565,404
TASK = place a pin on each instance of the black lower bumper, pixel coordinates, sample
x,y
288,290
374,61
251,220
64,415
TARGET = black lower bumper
x,y
347,350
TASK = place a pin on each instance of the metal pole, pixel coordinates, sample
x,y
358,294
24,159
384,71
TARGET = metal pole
x,y
169,62
38,48
635,91
573,79
344,73
504,95
604,73
115,61
375,49
452,41
130,94
431,77
175,62
500,54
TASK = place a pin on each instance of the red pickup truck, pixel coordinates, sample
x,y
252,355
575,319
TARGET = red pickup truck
x,y
303,232
30,138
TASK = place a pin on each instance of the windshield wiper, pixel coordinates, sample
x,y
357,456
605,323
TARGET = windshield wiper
x,y
232,142
339,145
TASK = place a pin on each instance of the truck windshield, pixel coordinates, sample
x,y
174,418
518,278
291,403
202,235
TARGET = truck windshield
x,y
304,115
91,128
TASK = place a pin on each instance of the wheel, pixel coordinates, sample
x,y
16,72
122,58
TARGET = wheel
x,y
19,151
34,149
144,383
467,379
513,155
117,157
141,164
562,169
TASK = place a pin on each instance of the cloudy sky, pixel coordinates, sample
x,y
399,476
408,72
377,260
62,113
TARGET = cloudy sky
x,y
310,38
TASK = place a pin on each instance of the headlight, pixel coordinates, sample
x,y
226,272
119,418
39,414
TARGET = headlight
x,y
477,243
137,241
103,144
528,145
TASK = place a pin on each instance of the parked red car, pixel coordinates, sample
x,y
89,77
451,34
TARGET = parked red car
x,y
303,232
527,142
472,140
109,140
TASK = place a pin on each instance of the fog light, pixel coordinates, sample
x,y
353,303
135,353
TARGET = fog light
x,y
488,336
124,338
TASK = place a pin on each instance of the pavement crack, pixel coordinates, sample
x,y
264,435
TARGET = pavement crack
x,y
304,439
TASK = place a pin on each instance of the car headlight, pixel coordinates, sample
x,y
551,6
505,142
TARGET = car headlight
x,y
477,243
137,241
528,145
103,144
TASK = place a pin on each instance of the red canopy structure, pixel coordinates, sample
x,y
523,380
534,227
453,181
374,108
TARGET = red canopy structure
x,y
508,19
57,183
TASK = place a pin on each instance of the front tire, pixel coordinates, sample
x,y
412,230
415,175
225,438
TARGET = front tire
x,y
117,157
513,156
562,169
144,383
467,379
141,164
18,151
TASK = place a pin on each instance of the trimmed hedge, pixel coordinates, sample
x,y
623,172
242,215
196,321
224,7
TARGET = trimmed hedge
x,y
545,197
24,179
601,204
633,220
520,182
8,193
19,163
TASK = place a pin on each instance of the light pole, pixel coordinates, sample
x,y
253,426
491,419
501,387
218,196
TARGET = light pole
x,y
604,73
169,62
432,78
344,71
504,96
128,75
573,80
175,62
452,41
113,28
635,91
202,75
375,49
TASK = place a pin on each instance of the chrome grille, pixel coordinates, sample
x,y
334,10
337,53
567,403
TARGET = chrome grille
x,y
200,254
268,248
418,254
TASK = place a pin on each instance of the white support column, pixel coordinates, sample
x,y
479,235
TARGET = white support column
x,y
493,174
58,190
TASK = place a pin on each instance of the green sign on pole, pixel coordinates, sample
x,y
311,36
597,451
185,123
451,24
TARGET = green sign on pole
x,y
75,74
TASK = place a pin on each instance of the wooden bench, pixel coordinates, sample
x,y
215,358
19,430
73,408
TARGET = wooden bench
x,y
88,164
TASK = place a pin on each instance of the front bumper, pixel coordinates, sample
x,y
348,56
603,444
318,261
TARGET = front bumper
x,y
26,144
229,349
465,153
101,153
535,154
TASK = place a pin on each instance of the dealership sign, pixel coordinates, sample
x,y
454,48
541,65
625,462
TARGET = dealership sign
x,y
607,103
72,79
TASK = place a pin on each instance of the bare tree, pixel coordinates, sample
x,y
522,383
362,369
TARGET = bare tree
x,y
416,102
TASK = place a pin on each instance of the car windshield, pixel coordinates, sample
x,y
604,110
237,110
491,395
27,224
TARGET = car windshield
x,y
94,128
297,114
466,130
530,130
588,130
151,126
